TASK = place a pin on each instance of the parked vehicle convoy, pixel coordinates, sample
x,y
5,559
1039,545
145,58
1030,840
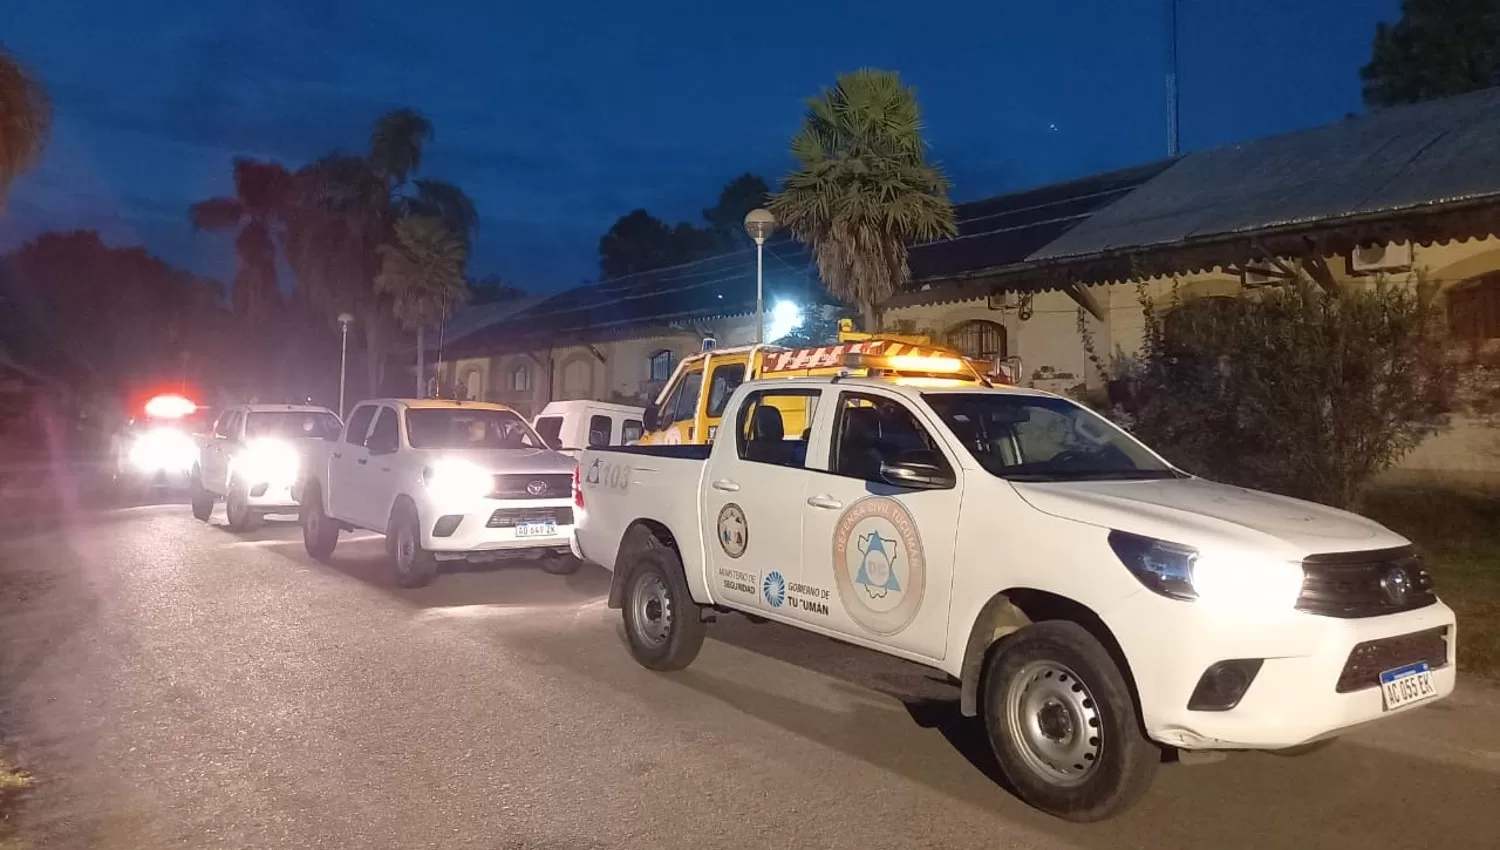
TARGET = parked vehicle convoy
x,y
570,426
159,446
442,480
1095,604
251,459
689,407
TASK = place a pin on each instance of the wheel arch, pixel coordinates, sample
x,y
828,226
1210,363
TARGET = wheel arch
x,y
641,532
1011,610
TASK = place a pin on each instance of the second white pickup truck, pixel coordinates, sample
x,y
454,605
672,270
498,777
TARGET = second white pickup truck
x,y
1095,605
442,480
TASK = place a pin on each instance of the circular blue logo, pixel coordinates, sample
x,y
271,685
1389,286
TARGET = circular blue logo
x,y
774,589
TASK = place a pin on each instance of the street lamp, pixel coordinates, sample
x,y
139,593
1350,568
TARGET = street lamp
x,y
345,319
760,224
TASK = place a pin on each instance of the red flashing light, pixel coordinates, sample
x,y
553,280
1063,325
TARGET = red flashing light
x,y
170,406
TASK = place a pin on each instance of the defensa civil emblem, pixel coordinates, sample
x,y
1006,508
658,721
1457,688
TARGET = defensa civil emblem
x,y
734,530
878,565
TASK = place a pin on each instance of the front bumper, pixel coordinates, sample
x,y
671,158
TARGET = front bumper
x,y
1308,688
272,498
495,525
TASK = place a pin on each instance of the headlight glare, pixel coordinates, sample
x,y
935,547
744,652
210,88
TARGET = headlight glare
x,y
268,461
456,481
164,450
1222,579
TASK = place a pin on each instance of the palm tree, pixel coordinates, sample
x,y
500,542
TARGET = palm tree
x,y
25,118
422,273
261,193
346,207
864,190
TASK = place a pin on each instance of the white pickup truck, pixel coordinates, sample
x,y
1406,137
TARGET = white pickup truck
x,y
1095,605
442,480
253,456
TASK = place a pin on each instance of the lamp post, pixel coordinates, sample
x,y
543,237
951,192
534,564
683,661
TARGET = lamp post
x,y
345,319
760,224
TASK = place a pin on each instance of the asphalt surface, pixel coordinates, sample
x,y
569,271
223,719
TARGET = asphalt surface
x,y
176,685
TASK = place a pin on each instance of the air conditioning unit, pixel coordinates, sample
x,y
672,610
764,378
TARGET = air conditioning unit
x,y
1002,300
1391,256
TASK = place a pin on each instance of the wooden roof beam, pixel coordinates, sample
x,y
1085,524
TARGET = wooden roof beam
x,y
1085,299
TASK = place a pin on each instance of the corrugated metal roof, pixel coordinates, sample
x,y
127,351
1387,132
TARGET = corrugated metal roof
x,y
994,232
1004,230
1391,160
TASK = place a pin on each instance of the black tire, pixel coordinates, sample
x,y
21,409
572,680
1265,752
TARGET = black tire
x,y
561,565
320,535
238,511
662,623
1067,683
203,501
411,565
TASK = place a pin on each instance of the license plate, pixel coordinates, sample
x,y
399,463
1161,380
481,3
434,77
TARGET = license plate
x,y
536,529
1406,685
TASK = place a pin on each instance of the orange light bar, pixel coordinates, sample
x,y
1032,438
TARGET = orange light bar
x,y
921,363
170,407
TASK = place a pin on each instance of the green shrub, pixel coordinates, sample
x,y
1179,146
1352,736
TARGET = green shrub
x,y
1290,389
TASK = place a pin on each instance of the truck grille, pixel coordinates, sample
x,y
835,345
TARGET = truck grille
x,y
514,486
510,517
1373,657
1364,584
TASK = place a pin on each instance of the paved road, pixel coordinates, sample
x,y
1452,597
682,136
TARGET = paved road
x,y
181,686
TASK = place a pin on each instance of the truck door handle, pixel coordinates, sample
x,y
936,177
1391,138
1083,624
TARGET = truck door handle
x,y
338,455
825,502
385,469
364,461
726,485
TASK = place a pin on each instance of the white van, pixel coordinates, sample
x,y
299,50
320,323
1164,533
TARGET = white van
x,y
572,426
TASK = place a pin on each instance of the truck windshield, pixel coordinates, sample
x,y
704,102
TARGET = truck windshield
x,y
293,424
1038,438
469,428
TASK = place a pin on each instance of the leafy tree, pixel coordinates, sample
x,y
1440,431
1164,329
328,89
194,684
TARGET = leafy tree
x,y
25,118
1438,48
422,273
1292,390
726,219
345,207
864,190
492,290
261,192
639,242
113,315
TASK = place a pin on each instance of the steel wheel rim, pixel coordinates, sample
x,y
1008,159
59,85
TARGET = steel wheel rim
x,y
406,549
1054,720
651,605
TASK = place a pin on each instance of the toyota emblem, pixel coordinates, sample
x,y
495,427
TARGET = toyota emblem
x,y
1397,585
537,488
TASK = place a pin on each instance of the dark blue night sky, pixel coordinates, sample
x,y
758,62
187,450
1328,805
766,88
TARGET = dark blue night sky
x,y
559,117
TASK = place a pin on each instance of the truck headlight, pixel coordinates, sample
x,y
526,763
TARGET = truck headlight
x,y
457,481
163,450
268,461
1221,579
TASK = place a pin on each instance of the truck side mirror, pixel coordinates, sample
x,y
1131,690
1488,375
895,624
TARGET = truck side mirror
x,y
917,475
650,419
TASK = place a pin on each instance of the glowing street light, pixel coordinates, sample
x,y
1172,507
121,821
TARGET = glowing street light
x,y
760,224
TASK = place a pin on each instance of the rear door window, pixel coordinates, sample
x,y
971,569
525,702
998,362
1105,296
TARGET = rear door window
x,y
631,431
599,430
549,428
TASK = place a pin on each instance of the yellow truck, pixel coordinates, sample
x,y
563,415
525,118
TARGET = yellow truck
x,y
688,410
